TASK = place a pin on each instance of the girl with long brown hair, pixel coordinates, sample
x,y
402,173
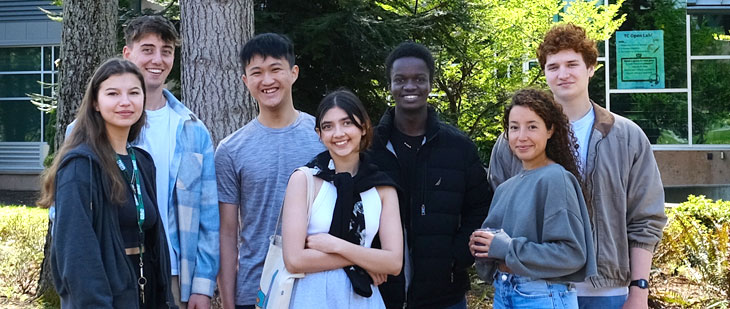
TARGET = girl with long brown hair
x,y
109,248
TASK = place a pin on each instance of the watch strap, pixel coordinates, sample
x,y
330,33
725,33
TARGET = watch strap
x,y
641,283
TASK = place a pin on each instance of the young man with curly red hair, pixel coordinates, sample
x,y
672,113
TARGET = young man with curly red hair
x,y
624,192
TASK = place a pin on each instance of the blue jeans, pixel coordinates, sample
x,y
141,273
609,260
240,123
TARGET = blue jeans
x,y
513,291
602,302
459,305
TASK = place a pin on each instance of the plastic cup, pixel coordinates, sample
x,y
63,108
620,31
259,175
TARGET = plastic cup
x,y
492,231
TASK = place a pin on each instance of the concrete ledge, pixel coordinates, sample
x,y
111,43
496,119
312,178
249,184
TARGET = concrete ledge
x,y
693,167
20,182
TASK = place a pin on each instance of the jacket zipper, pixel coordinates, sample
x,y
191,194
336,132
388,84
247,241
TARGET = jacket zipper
x,y
91,179
592,192
425,177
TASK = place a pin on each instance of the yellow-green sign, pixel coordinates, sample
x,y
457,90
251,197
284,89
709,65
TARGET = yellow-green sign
x,y
640,59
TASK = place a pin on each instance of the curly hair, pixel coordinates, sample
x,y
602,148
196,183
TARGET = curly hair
x,y
562,147
567,36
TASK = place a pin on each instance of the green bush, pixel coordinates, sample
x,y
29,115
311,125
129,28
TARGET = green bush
x,y
22,235
696,246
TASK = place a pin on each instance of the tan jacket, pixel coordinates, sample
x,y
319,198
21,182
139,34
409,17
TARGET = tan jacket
x,y
625,195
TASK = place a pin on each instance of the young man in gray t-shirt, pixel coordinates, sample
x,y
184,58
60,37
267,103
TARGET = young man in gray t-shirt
x,y
254,163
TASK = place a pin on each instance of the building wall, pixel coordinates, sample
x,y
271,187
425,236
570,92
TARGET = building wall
x,y
28,45
22,23
20,182
694,167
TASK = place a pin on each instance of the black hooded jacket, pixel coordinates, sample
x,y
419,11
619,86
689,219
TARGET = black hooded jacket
x,y
88,261
446,198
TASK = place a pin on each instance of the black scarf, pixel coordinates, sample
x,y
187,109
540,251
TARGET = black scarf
x,y
348,219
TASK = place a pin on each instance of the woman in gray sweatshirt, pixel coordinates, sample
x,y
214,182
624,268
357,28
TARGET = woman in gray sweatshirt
x,y
544,238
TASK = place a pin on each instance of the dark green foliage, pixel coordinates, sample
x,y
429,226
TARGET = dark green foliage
x,y
344,43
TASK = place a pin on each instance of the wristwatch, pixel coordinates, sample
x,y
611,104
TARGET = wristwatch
x,y
641,283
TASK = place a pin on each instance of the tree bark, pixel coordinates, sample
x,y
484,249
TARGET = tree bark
x,y
88,38
212,35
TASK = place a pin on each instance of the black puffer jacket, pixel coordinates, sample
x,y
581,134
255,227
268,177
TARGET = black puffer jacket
x,y
449,198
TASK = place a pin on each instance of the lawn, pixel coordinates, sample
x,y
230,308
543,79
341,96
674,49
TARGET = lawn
x,y
22,236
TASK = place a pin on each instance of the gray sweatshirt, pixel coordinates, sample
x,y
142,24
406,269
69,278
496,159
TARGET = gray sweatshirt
x,y
547,231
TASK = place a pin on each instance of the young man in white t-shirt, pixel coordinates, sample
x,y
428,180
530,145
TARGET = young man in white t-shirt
x,y
183,153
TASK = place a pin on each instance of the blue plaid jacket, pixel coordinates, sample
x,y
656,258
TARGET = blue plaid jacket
x,y
193,204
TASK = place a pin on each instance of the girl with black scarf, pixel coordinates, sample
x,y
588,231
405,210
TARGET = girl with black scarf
x,y
354,202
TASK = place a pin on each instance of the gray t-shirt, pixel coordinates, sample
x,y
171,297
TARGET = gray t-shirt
x,y
253,166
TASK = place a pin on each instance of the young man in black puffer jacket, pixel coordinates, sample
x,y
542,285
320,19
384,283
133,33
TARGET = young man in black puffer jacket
x,y
445,195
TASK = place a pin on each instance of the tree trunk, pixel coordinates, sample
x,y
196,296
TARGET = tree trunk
x,y
212,35
88,38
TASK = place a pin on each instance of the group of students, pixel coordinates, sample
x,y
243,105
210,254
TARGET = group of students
x,y
148,215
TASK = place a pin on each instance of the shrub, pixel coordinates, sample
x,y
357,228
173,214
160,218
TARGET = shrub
x,y
696,245
481,294
22,235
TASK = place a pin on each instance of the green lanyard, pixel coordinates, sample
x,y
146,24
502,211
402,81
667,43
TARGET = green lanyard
x,y
135,184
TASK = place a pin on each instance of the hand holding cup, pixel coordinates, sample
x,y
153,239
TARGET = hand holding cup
x,y
481,240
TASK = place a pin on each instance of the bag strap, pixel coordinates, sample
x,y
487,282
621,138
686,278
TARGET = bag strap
x,y
310,190
310,197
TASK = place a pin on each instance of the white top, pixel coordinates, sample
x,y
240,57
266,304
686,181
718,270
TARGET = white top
x,y
582,130
324,206
586,289
332,289
158,138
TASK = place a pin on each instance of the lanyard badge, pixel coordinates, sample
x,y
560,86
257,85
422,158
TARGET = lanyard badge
x,y
135,184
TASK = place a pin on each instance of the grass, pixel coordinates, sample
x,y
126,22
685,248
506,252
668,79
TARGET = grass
x,y
22,236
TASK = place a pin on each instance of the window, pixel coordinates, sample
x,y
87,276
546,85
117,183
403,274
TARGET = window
x,y
710,68
693,108
21,69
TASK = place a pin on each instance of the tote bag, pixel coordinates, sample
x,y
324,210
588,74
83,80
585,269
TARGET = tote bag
x,y
275,288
